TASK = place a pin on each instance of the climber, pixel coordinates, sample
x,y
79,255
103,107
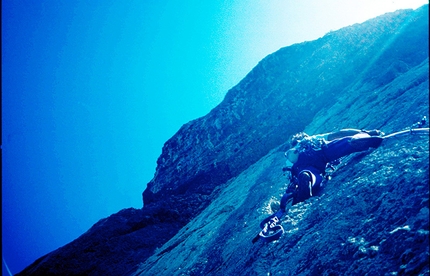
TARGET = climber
x,y
309,156
309,159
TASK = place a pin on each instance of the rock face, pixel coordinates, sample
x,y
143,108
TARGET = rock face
x,y
220,175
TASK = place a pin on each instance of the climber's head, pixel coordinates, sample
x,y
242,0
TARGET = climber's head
x,y
296,138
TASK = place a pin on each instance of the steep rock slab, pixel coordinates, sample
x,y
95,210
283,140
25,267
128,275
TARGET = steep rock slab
x,y
405,94
371,218
279,97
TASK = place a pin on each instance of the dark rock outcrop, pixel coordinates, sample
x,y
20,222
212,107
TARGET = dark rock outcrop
x,y
218,176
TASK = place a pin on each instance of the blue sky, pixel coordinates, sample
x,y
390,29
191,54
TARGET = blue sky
x,y
91,90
